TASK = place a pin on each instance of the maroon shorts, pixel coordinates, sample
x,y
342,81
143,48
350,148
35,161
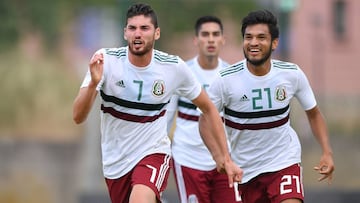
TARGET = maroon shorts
x,y
204,186
274,187
152,171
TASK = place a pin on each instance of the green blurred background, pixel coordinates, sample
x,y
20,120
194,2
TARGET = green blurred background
x,y
44,50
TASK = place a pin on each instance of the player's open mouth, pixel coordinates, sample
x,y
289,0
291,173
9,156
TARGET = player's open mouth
x,y
254,51
211,48
137,43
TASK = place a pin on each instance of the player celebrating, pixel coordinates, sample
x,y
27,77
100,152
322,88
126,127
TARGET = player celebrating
x,y
135,84
255,96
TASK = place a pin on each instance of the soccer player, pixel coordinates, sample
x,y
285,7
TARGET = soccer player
x,y
194,168
135,84
255,96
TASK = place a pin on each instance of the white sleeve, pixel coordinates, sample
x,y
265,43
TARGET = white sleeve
x,y
216,92
190,87
304,93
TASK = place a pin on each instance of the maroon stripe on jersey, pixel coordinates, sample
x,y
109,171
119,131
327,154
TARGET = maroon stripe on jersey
x,y
188,117
131,117
257,126
191,117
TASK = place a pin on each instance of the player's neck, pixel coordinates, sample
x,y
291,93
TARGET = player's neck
x,y
140,60
259,70
208,62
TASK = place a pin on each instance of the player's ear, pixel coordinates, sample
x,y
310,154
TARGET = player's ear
x,y
223,40
125,38
195,40
275,43
157,33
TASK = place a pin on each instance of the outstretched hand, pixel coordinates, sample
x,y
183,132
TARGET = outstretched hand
x,y
96,68
325,168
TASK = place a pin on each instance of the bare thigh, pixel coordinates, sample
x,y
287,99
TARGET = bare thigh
x,y
142,194
292,201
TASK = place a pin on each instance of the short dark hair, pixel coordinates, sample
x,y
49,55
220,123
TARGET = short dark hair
x,y
142,9
207,19
261,17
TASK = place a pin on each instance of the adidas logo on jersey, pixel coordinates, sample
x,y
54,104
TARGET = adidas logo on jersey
x,y
244,98
120,83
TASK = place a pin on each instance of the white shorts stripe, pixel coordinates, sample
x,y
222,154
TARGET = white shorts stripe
x,y
181,182
162,172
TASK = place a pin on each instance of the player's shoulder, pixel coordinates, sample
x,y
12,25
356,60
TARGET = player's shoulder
x,y
116,52
233,69
163,57
223,64
192,62
284,65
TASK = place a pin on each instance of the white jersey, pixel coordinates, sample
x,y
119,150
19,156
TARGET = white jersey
x,y
256,111
133,105
188,148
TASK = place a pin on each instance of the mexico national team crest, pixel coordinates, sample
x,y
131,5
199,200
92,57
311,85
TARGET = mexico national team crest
x,y
280,93
158,88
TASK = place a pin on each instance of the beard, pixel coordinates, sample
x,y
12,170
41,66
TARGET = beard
x,y
140,52
257,62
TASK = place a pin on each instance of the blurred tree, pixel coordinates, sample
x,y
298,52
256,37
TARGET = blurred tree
x,y
8,31
20,17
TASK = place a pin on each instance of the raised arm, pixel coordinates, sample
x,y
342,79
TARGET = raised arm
x,y
86,96
319,129
213,134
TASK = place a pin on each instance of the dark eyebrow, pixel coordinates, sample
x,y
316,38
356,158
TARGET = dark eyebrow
x,y
207,32
260,34
141,26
